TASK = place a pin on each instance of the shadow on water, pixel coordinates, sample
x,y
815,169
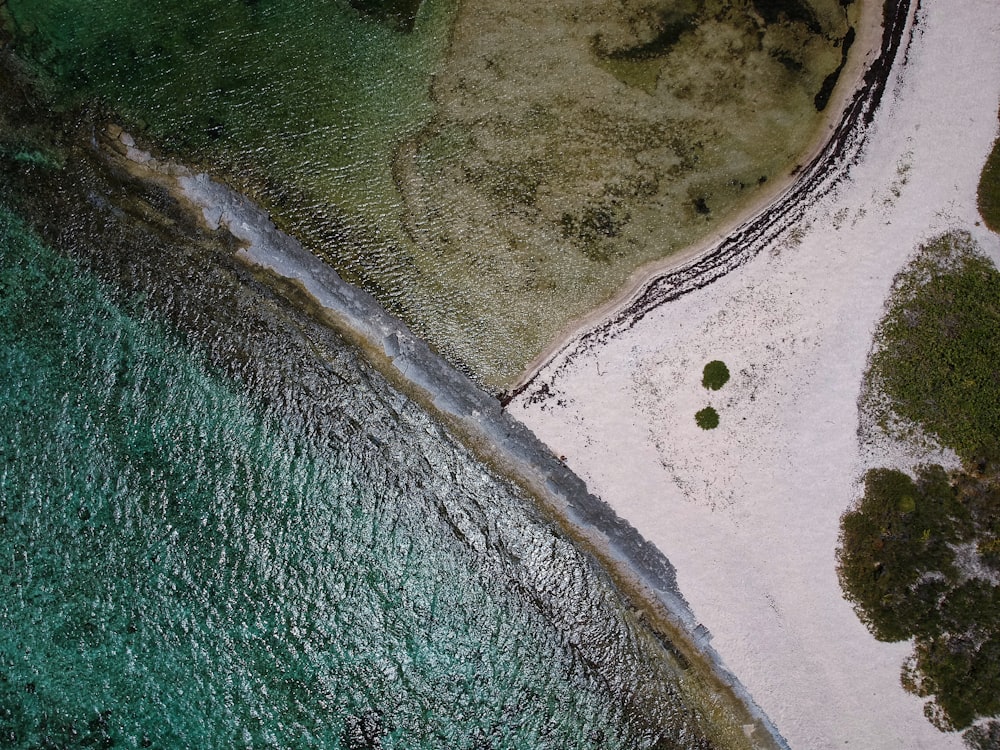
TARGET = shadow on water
x,y
398,14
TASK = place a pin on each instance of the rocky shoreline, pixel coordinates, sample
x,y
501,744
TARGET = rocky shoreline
x,y
475,417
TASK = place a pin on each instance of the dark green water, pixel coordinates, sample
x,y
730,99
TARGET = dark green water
x,y
306,100
193,560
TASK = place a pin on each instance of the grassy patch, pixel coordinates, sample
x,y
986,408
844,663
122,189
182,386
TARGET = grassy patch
x,y
715,375
920,555
707,418
989,189
938,353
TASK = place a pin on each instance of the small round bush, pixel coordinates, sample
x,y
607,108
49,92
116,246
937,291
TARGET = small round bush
x,y
715,375
989,189
707,418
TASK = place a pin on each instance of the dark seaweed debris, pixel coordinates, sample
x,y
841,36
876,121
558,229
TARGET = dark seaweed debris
x,y
823,95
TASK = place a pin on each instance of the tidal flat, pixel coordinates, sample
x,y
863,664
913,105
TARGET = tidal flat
x,y
490,173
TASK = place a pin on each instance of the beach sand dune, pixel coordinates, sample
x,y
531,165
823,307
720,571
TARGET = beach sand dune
x,y
749,512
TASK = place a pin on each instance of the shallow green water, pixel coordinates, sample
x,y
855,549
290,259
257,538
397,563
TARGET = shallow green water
x,y
490,172
189,560
306,99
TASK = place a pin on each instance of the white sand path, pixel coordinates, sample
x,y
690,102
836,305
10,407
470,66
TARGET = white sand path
x,y
749,513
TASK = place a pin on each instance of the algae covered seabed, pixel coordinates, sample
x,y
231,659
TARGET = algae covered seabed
x,y
489,173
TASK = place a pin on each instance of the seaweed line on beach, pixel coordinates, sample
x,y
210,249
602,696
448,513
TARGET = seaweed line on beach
x,y
828,168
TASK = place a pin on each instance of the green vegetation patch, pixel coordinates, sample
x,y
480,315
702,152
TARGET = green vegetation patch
x,y
920,556
895,554
938,353
900,565
715,375
707,418
989,189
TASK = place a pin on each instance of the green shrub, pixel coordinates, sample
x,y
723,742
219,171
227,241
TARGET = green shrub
x,y
707,418
938,354
897,566
989,189
937,362
715,375
984,737
899,532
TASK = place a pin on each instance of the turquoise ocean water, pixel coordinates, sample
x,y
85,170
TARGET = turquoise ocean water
x,y
188,559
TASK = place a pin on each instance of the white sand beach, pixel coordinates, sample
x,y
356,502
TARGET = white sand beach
x,y
749,512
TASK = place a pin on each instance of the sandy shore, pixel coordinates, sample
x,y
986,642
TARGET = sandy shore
x,y
749,513
867,54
